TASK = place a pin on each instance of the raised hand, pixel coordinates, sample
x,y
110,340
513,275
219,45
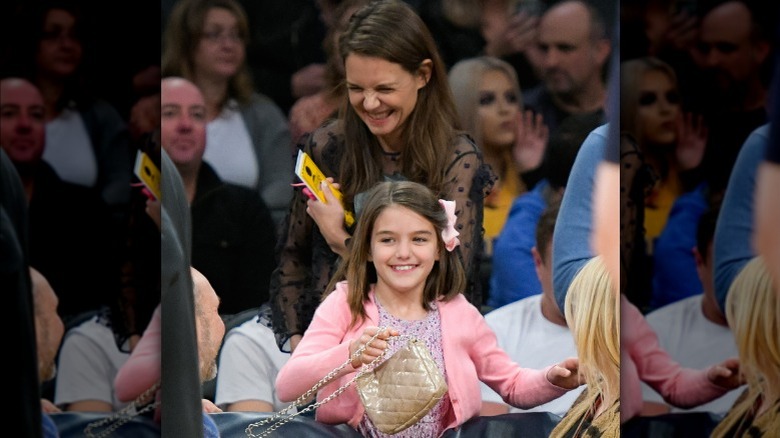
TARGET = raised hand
x,y
692,136
531,140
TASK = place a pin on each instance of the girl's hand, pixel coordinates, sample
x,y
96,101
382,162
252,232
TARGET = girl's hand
x,y
530,141
329,217
726,374
566,374
691,140
373,350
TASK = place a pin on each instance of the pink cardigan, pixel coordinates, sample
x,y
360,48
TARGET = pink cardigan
x,y
642,358
471,354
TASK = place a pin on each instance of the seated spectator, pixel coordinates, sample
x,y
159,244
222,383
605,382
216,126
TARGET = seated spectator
x,y
248,365
533,330
733,249
752,310
48,335
233,235
513,264
248,137
91,354
142,371
71,241
87,139
674,273
694,330
592,309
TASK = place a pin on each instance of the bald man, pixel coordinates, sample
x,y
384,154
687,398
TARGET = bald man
x,y
232,230
69,225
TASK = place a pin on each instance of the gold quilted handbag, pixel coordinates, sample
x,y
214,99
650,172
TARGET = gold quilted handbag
x,y
402,390
396,394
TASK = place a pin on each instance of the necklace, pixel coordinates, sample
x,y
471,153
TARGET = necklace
x,y
393,156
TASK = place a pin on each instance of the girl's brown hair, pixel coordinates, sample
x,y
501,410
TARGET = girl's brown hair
x,y
446,280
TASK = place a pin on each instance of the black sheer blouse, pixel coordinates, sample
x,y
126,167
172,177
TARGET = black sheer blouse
x,y
306,262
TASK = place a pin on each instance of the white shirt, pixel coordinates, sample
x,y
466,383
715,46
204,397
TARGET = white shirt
x,y
69,149
89,360
533,342
248,365
229,148
694,342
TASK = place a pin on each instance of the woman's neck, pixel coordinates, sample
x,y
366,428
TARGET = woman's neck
x,y
215,93
51,91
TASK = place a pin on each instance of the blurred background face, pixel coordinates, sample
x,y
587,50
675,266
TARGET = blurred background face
x,y
221,50
658,109
568,59
497,111
22,121
182,121
60,49
725,50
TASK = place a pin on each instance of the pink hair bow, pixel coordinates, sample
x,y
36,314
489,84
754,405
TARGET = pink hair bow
x,y
449,234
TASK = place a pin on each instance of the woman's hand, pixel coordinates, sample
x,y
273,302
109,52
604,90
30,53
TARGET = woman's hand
x,y
329,217
374,349
530,142
566,374
692,136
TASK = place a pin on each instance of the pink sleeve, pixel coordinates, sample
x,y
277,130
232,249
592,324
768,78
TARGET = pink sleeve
x,y
681,387
142,369
322,348
521,387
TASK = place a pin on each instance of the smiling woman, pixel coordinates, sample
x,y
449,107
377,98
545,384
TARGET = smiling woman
x,y
397,121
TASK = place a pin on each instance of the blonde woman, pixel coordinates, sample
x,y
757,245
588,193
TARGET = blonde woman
x,y
592,312
671,142
753,313
487,95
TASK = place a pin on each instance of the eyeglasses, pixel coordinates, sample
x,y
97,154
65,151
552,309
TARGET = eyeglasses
x,y
219,36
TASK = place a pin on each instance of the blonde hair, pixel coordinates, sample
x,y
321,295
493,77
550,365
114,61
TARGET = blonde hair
x,y
752,309
592,310
631,73
464,79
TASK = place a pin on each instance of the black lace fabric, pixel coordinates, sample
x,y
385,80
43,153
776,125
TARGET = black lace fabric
x,y
306,262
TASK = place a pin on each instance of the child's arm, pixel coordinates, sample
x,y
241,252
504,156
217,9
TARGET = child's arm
x,y
323,348
681,387
566,374
524,388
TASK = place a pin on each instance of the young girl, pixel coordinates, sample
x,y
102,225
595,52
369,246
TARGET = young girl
x,y
401,273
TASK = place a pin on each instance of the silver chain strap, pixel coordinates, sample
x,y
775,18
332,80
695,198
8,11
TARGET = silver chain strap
x,y
123,416
277,419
